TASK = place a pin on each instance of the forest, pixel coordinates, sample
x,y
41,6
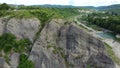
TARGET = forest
x,y
107,20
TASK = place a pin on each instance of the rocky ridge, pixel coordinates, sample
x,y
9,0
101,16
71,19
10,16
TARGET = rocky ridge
x,y
60,44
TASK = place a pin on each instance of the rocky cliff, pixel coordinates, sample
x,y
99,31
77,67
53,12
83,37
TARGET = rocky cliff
x,y
59,44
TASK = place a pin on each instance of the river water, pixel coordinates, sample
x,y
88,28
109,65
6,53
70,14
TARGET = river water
x,y
106,35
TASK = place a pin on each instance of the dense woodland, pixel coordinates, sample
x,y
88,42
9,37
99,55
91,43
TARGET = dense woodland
x,y
107,20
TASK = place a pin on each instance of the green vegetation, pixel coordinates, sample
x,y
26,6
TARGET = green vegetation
x,y
111,54
45,15
4,13
8,42
88,66
67,13
117,39
24,62
3,9
42,13
95,27
112,9
6,59
4,6
104,20
20,14
64,12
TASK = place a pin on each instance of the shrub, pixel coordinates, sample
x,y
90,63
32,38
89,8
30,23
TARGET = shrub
x,y
24,62
7,48
8,42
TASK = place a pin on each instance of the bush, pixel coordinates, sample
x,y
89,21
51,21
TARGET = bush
x,y
21,14
24,62
4,6
8,42
7,48
22,45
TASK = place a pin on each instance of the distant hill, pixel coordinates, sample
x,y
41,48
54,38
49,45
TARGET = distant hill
x,y
111,7
55,6
65,6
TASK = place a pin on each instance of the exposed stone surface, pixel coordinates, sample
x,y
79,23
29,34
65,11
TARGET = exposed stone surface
x,y
21,28
60,44
3,64
68,46
14,60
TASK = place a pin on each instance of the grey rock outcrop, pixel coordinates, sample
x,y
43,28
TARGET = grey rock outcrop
x,y
3,64
21,28
62,45
14,60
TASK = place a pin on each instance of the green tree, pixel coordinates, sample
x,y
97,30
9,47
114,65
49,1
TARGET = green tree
x,y
4,6
118,28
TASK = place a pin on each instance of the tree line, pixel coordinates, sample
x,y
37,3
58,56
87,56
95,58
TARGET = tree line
x,y
105,20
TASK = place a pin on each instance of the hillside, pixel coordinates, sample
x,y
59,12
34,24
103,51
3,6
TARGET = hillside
x,y
39,37
115,6
59,43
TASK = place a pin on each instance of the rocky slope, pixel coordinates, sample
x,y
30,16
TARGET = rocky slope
x,y
59,44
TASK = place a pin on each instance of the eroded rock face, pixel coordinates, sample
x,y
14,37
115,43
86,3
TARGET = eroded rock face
x,y
3,63
21,28
63,45
14,60
60,44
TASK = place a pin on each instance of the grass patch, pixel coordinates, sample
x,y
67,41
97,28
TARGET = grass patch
x,y
4,13
21,14
112,54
